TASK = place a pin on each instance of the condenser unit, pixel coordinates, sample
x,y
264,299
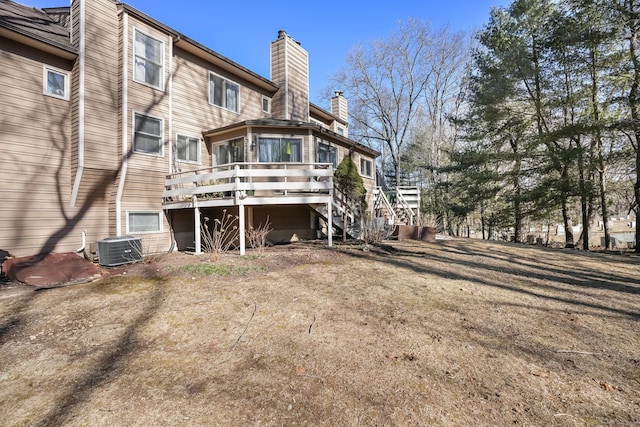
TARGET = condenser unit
x,y
119,250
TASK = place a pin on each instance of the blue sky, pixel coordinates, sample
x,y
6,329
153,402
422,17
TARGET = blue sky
x,y
242,30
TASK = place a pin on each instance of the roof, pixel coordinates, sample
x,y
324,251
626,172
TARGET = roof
x,y
36,24
293,124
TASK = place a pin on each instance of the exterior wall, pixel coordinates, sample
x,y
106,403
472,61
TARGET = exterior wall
x,y
145,173
290,71
289,223
95,183
192,113
35,138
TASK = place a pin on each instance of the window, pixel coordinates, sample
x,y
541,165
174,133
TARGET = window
x,y
56,83
366,167
266,104
187,149
144,222
223,93
327,154
148,60
340,131
231,152
279,150
147,135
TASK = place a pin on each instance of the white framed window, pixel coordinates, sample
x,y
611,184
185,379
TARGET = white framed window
x,y
327,154
187,149
340,131
140,222
147,134
266,104
231,152
148,60
280,150
366,167
55,82
223,93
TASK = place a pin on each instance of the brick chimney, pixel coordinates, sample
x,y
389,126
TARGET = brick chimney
x,y
290,71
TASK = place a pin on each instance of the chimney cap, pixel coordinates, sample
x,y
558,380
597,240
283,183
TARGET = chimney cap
x,y
339,93
282,34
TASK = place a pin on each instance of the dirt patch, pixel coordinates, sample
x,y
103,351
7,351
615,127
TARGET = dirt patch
x,y
449,333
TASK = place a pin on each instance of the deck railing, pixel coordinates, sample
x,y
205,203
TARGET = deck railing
x,y
242,180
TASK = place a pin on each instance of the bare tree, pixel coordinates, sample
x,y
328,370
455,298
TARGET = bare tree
x,y
386,81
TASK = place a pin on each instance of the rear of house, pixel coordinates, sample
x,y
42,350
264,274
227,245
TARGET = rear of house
x,y
115,124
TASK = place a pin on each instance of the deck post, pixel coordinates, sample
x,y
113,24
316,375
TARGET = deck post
x,y
196,212
329,224
242,227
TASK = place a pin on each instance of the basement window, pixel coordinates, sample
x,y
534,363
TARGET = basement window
x,y
144,222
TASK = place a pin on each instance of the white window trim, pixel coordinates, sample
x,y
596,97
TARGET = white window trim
x,y
133,134
197,161
268,110
228,80
133,60
45,70
135,211
362,172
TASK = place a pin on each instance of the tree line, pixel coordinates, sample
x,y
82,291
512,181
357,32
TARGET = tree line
x,y
533,118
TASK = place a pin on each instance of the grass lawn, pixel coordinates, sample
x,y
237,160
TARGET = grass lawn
x,y
459,333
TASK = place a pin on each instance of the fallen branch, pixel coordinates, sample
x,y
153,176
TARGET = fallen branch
x,y
255,306
577,352
311,325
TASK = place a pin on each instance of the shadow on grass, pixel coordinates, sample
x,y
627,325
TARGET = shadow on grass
x,y
108,365
566,284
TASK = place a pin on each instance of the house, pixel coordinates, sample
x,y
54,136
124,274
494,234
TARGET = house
x,y
114,124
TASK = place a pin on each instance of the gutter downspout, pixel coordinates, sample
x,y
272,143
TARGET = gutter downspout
x,y
125,119
84,242
171,144
81,84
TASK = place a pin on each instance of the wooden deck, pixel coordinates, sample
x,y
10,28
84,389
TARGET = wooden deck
x,y
250,184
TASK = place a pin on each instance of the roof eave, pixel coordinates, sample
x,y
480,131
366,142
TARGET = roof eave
x,y
325,114
19,35
297,125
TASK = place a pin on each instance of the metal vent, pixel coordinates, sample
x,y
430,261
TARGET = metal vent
x,y
119,250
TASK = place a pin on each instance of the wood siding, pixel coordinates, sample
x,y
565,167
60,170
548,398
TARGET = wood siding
x,y
290,71
35,138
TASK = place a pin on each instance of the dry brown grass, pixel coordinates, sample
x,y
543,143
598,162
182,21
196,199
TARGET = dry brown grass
x,y
450,333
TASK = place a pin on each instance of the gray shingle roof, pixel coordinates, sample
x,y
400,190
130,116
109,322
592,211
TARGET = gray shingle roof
x,y
36,23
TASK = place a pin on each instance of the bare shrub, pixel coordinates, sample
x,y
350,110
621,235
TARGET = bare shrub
x,y
220,236
374,230
257,236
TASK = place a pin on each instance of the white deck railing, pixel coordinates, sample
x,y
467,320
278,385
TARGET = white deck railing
x,y
236,182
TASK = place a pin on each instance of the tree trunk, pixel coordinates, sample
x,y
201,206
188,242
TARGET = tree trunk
x,y
568,226
634,106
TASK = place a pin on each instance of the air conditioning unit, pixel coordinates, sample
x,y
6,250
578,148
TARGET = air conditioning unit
x,y
114,251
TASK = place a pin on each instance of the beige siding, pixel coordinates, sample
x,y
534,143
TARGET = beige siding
x,y
290,71
144,180
101,86
35,135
